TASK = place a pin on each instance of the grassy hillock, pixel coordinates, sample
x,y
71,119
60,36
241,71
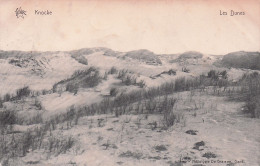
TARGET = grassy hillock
x,y
242,59
85,78
191,55
145,56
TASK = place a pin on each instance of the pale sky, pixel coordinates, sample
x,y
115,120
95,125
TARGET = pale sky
x,y
160,26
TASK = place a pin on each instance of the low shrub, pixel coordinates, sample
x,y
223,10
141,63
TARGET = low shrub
x,y
141,84
185,69
80,79
73,88
7,97
113,91
250,93
7,118
113,70
23,92
171,117
80,58
38,104
160,148
1,102
209,155
122,74
130,154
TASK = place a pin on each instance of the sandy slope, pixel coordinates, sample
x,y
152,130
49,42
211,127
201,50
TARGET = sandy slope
x,y
38,76
132,140
41,72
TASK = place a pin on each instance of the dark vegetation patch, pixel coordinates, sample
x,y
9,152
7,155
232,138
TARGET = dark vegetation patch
x,y
171,117
191,55
87,51
250,93
22,62
186,158
113,70
120,162
209,155
130,154
128,78
7,118
23,92
80,58
113,91
170,72
185,70
191,132
80,79
108,145
155,158
160,148
145,56
247,60
20,93
15,145
201,143
176,163
198,145
187,55
32,162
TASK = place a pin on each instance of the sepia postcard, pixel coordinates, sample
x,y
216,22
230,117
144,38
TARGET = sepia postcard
x,y
129,83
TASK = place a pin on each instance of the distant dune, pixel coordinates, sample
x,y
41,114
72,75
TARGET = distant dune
x,y
191,55
144,55
242,59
